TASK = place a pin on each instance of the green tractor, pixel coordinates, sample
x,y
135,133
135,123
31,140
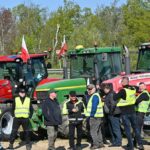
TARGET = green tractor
x,y
86,65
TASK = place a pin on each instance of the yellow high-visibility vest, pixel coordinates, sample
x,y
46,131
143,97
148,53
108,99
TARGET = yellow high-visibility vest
x,y
130,98
99,111
22,109
144,105
65,110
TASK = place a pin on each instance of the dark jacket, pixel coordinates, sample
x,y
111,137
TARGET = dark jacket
x,y
111,104
51,112
75,116
142,97
122,94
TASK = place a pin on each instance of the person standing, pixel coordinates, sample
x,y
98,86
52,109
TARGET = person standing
x,y
95,114
52,118
142,104
75,110
126,102
22,110
113,114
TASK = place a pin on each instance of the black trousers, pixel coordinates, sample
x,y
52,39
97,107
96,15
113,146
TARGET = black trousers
x,y
72,127
140,120
25,125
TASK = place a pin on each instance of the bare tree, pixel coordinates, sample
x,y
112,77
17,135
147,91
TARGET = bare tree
x,y
6,29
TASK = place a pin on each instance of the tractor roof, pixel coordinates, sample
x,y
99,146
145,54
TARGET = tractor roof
x,y
11,58
95,50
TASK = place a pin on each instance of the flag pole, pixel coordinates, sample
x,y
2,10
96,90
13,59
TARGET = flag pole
x,y
65,70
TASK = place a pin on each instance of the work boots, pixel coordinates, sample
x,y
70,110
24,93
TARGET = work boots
x,y
28,147
10,147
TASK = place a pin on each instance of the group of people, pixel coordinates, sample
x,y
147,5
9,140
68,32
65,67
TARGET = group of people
x,y
97,108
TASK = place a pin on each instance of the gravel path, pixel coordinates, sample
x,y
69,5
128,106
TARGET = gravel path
x,y
62,144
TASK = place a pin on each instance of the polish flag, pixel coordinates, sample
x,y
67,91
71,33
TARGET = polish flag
x,y
24,51
63,49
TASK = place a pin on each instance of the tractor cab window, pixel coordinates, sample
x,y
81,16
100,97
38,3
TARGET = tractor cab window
x,y
108,64
81,66
144,60
35,71
9,71
39,69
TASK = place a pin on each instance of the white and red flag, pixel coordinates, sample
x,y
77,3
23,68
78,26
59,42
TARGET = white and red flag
x,y
63,49
24,51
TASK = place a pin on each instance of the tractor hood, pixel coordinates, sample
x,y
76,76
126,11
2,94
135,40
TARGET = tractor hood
x,y
48,80
135,79
62,87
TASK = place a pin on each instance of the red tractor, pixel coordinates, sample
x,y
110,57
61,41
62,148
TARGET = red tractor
x,y
142,73
13,73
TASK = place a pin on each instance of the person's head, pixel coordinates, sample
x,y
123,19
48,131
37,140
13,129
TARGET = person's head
x,y
72,95
91,89
107,88
52,94
22,92
142,86
125,81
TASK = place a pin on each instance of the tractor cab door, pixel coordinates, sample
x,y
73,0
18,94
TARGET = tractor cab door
x,y
143,63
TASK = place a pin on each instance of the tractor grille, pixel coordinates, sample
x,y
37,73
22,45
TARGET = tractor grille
x,y
42,95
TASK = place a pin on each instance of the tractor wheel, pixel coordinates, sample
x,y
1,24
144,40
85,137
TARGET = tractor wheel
x,y
6,123
63,129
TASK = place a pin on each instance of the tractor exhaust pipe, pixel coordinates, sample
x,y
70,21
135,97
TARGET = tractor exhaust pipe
x,y
127,60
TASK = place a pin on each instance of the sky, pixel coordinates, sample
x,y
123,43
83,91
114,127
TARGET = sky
x,y
52,5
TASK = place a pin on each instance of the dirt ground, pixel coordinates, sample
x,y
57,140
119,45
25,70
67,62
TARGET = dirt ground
x,y
62,144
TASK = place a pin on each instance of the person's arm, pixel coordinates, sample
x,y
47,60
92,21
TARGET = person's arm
x,y
142,97
83,109
95,102
31,110
45,110
65,110
120,94
13,108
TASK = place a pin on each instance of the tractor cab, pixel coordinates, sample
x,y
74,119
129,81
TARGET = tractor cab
x,y
14,73
95,63
143,64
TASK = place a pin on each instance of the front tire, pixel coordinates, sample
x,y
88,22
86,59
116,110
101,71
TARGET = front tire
x,y
6,123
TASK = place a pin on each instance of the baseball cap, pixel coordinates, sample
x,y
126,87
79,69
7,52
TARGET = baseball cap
x,y
22,90
72,93
51,91
90,86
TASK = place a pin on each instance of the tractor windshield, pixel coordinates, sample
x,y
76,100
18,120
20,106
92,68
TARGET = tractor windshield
x,y
33,72
144,60
9,70
108,64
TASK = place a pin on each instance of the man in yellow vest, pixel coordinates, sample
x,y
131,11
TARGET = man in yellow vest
x,y
22,110
143,103
95,114
126,102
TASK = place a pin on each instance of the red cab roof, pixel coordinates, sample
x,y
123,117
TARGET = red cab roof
x,y
11,58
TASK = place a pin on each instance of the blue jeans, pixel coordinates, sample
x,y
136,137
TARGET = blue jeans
x,y
127,120
114,127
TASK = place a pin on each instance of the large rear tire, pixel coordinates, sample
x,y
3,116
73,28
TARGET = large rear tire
x,y
63,129
6,123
